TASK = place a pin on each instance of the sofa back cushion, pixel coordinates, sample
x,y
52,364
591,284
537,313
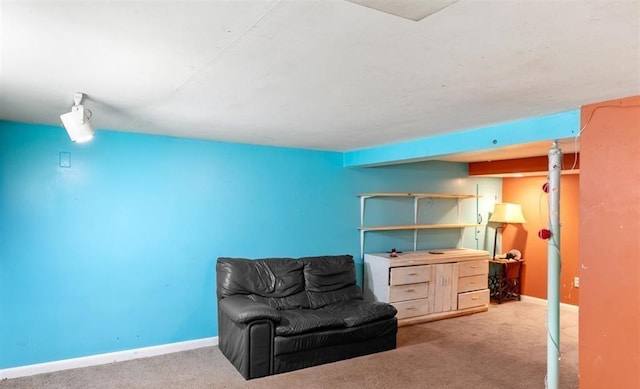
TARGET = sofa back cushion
x,y
268,278
330,279
321,299
297,300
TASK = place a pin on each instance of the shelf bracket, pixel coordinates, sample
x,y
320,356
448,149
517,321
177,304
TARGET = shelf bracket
x,y
362,202
416,202
459,245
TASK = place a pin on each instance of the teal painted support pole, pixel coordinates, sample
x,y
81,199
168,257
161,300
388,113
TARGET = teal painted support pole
x,y
553,269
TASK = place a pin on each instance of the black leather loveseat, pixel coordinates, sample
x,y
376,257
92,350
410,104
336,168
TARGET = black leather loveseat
x,y
279,314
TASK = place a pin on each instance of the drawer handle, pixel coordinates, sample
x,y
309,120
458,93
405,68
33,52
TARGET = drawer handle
x,y
474,266
410,290
413,274
475,298
409,308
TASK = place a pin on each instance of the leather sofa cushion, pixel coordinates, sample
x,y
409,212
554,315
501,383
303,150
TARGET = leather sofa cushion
x,y
321,299
350,313
333,337
299,321
298,300
272,277
357,312
330,279
327,273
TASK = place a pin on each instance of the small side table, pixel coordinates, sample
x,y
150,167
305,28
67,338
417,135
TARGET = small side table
x,y
504,279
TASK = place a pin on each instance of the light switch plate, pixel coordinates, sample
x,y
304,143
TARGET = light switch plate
x,y
64,159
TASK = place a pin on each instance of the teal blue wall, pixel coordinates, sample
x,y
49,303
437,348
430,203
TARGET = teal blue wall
x,y
118,250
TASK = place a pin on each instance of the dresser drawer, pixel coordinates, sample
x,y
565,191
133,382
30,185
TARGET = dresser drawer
x,y
473,299
412,308
472,268
408,292
409,275
466,284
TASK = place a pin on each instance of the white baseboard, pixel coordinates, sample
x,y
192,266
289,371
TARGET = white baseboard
x,y
537,300
101,359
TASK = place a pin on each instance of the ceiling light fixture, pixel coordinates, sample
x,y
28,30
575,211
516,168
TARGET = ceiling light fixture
x,y
76,122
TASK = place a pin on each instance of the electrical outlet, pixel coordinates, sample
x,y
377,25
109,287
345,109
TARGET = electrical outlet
x,y
576,282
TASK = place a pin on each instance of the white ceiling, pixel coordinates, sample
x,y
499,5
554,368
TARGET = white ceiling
x,y
330,74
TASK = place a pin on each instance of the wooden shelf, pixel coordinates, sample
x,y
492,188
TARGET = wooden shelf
x,y
415,227
432,195
417,197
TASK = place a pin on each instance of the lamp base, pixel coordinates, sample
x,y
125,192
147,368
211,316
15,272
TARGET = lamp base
x,y
495,241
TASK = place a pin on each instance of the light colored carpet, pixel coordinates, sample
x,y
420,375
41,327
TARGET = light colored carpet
x,y
502,348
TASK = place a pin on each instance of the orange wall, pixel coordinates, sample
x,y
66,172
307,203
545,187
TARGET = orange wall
x,y
527,191
518,165
610,245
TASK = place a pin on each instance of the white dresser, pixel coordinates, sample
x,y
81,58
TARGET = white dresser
x,y
429,285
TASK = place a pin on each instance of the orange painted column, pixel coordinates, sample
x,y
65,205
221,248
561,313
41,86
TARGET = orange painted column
x,y
610,245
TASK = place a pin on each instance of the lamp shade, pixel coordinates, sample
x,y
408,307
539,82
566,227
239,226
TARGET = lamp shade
x,y
507,213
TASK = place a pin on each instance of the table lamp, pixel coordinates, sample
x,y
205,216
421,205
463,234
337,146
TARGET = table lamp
x,y
505,213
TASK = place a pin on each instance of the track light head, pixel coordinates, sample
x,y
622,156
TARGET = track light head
x,y
76,122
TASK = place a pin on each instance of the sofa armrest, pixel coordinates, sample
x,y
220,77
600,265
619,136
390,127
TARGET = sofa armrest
x,y
241,309
245,334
